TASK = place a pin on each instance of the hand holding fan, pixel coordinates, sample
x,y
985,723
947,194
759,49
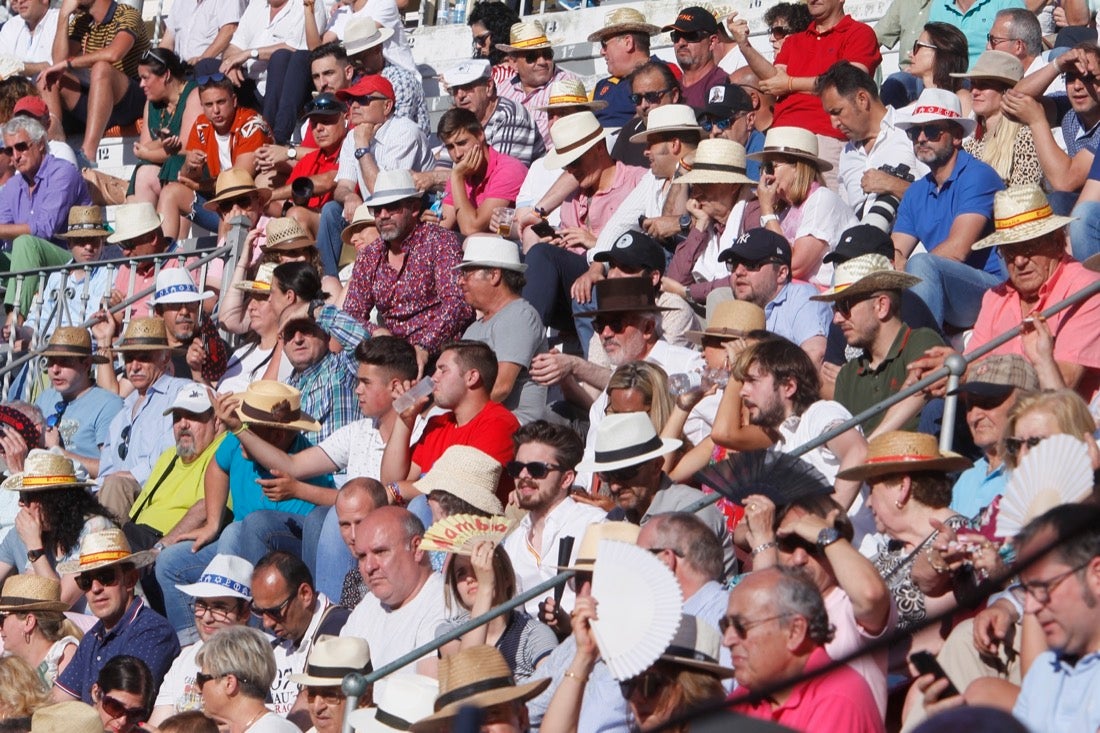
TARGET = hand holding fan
x,y
460,533
1057,471
781,477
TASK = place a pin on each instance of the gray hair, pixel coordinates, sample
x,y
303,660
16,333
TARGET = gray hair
x,y
796,595
691,539
1025,27
244,653
34,129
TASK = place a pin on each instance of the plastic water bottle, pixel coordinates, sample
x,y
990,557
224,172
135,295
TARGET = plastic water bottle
x,y
683,383
443,14
458,15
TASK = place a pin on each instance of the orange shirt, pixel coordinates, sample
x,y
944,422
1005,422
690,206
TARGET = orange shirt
x,y
248,133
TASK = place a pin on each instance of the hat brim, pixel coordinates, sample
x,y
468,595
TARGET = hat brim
x,y
120,235
506,48
137,559
52,351
85,233
389,197
948,462
554,159
1023,232
253,286
309,680
711,175
725,334
209,590
15,483
712,667
183,298
594,105
384,34
995,77
622,29
212,204
668,445
350,229
643,136
600,311
127,345
58,606
984,389
513,266
519,693
893,280
290,245
822,166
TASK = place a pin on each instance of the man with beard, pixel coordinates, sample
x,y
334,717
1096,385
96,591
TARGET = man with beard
x,y
694,36
198,351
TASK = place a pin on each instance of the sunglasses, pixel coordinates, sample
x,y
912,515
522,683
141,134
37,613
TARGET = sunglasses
x,y
275,613
648,684
21,147
984,402
689,36
651,97
116,709
844,305
741,627
201,678
215,78
932,132
242,202
779,31
124,446
535,469
1069,77
331,695
1013,445
58,410
617,324
752,266
621,475
722,124
532,57
105,577
1010,252
918,45
153,55
480,40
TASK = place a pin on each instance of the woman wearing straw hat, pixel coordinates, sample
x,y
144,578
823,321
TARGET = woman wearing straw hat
x,y
260,356
34,627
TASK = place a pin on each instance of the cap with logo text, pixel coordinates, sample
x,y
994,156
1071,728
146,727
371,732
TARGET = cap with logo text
x,y
757,245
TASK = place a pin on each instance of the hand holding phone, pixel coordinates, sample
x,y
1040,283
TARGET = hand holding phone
x,y
925,663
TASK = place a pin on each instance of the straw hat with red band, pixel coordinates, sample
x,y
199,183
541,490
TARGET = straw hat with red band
x,y
43,471
864,275
527,35
1020,214
570,93
271,403
101,549
903,452
935,105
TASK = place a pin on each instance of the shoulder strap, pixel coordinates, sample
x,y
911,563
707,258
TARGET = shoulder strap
x,y
156,486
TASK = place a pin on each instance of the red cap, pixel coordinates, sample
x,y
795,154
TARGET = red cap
x,y
371,84
34,106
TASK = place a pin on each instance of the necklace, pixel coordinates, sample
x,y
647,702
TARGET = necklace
x,y
257,716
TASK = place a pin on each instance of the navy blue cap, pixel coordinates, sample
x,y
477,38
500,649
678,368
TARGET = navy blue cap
x,y
634,249
756,245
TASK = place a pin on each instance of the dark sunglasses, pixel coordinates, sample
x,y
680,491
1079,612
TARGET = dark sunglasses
x,y
58,410
751,266
742,627
216,78
1069,77
275,613
1013,445
932,132
104,576
787,545
844,305
480,40
21,147
201,678
722,124
651,97
535,56
689,36
535,469
124,446
648,684
779,31
621,475
241,201
918,45
617,324
116,709
153,54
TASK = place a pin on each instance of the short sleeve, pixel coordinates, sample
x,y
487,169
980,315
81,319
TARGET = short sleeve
x,y
223,457
506,183
253,134
862,47
338,445
977,197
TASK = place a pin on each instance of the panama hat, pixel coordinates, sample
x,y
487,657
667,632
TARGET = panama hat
x,y
864,275
696,645
594,535
84,222
996,65
31,593
488,250
362,219
44,470
793,142
527,35
627,439
475,677
400,701
731,319
175,285
225,576
331,658
1020,214
271,403
265,273
717,160
71,341
363,33
101,549
620,21
468,473
570,93
391,186
935,105
133,221
143,334
902,452
233,182
670,118
66,717
284,234
573,135
623,295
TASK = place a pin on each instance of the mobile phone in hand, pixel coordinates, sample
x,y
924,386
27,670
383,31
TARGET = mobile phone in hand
x,y
927,664
543,229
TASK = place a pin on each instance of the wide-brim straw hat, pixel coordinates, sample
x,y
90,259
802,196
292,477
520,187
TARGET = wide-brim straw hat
x,y
45,470
361,219
233,182
596,533
400,701
85,222
935,105
730,320
904,452
478,677
792,142
133,221
489,250
696,645
623,20
265,273
72,716
143,334
468,473
526,35
284,234
72,341
570,93
31,593
331,658
669,118
864,275
995,65
1020,214
717,160
623,295
391,186
102,549
271,403
363,33
627,439
573,136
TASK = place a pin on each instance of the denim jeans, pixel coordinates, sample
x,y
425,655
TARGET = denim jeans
x,y
1084,232
324,551
264,531
952,290
329,243
551,272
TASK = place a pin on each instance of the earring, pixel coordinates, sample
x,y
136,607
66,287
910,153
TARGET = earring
x,y
899,505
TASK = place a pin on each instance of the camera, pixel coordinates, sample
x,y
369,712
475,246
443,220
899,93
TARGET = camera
x,y
881,209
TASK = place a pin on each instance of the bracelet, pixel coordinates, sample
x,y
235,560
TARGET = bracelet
x,y
940,569
790,83
766,219
395,493
241,429
763,547
573,675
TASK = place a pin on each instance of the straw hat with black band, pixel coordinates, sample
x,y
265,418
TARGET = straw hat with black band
x,y
276,405
233,182
904,452
573,136
23,593
71,342
331,658
731,319
718,160
792,142
624,440
85,222
143,334
623,295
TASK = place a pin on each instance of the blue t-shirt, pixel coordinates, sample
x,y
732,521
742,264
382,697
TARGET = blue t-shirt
x,y
245,495
86,421
755,145
977,487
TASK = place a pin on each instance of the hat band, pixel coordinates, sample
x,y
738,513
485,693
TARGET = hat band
x,y
718,167
90,225
903,458
583,141
234,190
75,349
461,693
144,341
182,288
387,718
929,109
569,99
47,480
632,451
282,415
104,556
1023,218
224,582
316,670
529,42
782,149
260,285
687,652
23,600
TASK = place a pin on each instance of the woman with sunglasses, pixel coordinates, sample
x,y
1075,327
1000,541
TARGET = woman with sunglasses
x,y
490,23
260,355
783,20
123,694
238,668
938,54
33,626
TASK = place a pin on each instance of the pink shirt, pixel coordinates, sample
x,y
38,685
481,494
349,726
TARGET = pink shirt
x,y
593,212
503,177
849,636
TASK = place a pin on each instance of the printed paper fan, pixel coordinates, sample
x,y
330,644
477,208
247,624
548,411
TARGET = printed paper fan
x,y
460,533
1057,471
781,477
640,604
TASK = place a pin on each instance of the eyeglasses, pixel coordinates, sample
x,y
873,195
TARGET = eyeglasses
x,y
932,132
535,469
1040,590
218,612
58,410
752,266
1009,252
651,97
918,45
723,124
201,678
689,36
21,147
994,40
617,324
331,695
779,31
124,446
215,78
242,202
1013,445
648,684
741,627
621,475
532,57
117,709
104,576
275,613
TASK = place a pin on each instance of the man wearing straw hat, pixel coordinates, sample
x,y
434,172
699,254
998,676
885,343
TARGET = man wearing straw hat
x,y
624,44
532,57
331,658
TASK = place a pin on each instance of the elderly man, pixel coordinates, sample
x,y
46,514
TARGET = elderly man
x,y
373,49
200,29
198,350
28,34
694,36
624,44
330,660
492,278
508,127
532,57
405,605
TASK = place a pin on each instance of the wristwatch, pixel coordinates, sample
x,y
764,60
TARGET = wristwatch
x,y
685,223
360,152
254,53
33,555
765,219
827,536
292,153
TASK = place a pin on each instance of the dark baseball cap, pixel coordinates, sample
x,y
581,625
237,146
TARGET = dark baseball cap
x,y
691,19
756,245
727,100
635,249
862,239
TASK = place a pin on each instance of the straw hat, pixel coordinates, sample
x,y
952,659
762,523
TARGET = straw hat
x,y
468,473
271,403
696,645
400,701
627,439
996,65
331,658
596,533
489,250
31,593
66,717
283,234
265,273
864,275
175,285
570,93
391,186
670,118
717,160
527,35
71,341
101,549
935,105
363,33
85,222
623,295
573,135
1020,214
234,182
793,142
133,221
731,319
477,677
620,21
902,452
43,470
362,219
143,334
225,576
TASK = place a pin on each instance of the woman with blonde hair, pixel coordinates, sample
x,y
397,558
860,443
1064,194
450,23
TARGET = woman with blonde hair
x,y
21,689
33,625
237,668
639,386
1039,415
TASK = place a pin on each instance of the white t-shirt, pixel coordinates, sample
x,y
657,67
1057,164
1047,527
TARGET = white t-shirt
x,y
258,29
246,365
357,448
391,634
178,687
386,13
272,723
35,47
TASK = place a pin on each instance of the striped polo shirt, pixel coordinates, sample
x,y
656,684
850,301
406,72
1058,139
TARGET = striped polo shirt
x,y
94,36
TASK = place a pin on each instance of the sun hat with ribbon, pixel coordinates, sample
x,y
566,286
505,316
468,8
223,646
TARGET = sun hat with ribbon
x,y
730,319
864,275
669,118
71,341
284,234
527,35
271,403
489,250
225,576
573,135
570,93
696,645
996,65
101,549
143,334
265,273
1020,214
175,285
28,592
85,222
935,105
717,160
331,658
596,533
44,470
234,182
133,221
903,452
363,33
792,142
626,439
361,219
468,473
399,701
72,716
620,21
391,186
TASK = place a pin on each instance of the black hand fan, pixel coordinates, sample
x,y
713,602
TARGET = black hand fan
x,y
781,477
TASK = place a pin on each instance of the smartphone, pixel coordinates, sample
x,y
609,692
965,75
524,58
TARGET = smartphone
x,y
543,229
927,664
